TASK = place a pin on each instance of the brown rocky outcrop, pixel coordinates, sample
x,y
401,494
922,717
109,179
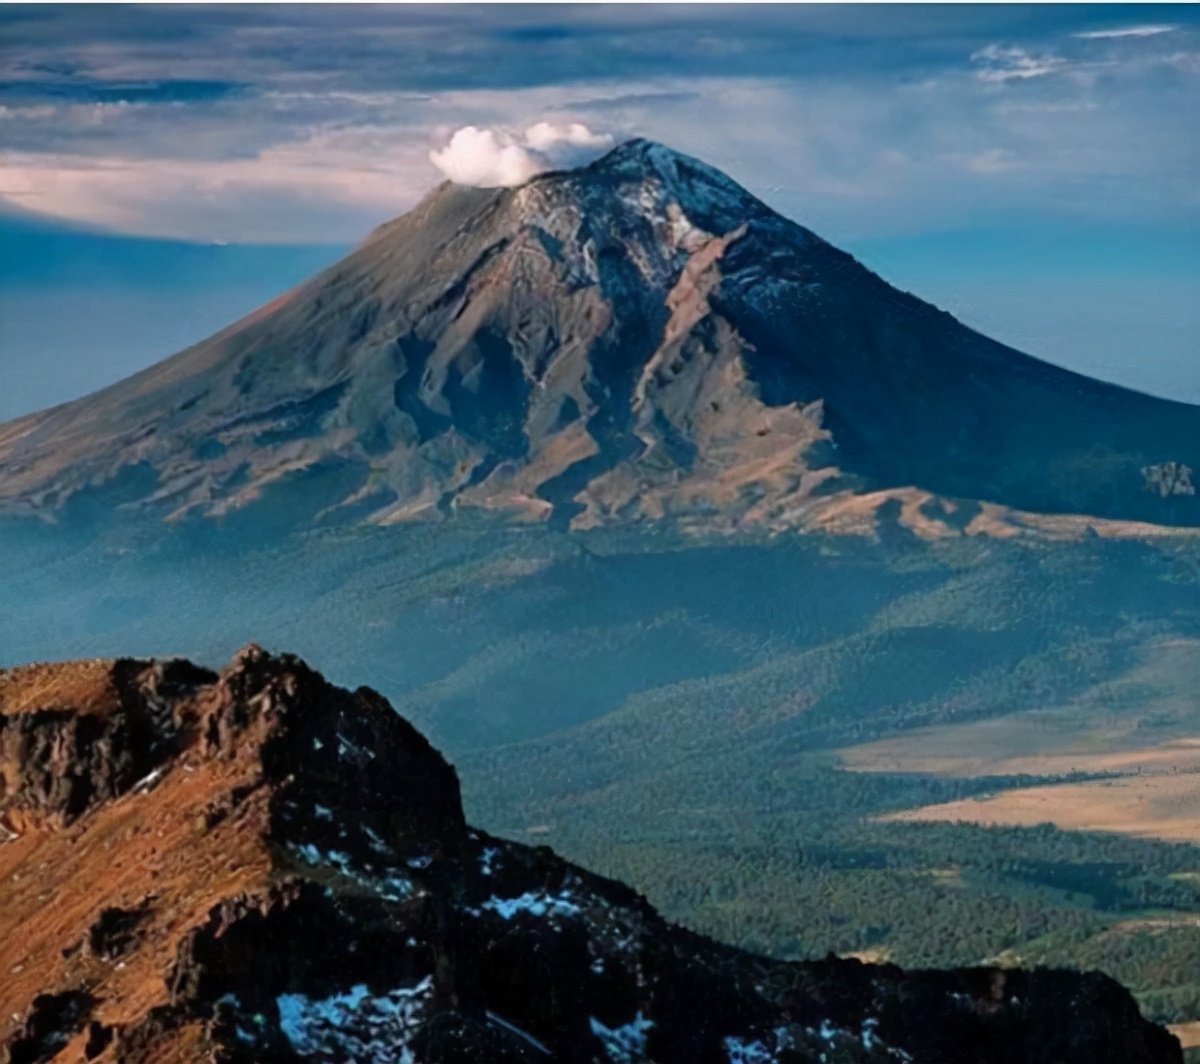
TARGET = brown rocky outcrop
x,y
258,865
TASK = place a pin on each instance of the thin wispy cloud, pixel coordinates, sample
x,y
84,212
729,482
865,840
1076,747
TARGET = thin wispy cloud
x,y
1127,31
999,63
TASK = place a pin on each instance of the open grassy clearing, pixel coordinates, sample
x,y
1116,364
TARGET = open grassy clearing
x,y
1165,806
1187,1033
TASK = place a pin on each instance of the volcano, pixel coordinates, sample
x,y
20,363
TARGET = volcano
x,y
476,465
639,340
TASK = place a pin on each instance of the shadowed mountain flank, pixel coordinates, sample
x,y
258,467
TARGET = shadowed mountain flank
x,y
637,341
256,865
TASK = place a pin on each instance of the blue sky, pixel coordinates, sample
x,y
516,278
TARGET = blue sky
x,y
1033,169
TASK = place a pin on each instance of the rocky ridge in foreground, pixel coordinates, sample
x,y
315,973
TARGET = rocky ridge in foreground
x,y
257,865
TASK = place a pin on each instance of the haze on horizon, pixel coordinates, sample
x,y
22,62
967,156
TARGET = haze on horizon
x,y
1033,170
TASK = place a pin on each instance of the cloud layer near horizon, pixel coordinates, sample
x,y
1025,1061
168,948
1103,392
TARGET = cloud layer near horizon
x,y
258,124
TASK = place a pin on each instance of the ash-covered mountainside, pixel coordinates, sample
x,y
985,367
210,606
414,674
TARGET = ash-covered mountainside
x,y
638,340
259,866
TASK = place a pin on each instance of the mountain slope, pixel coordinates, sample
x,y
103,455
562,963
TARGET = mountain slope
x,y
635,340
259,866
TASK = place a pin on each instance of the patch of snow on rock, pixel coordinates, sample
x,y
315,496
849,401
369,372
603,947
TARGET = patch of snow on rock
x,y
683,233
377,844
625,1044
539,904
394,888
356,1025
353,751
741,1051
868,1033
485,861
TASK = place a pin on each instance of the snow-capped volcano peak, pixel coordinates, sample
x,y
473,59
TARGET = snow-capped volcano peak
x,y
640,339
639,157
713,199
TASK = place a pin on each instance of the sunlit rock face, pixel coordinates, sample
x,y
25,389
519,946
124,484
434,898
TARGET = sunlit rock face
x,y
637,341
256,865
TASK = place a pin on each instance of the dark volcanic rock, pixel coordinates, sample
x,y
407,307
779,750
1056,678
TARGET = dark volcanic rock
x,y
57,760
51,1021
298,883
